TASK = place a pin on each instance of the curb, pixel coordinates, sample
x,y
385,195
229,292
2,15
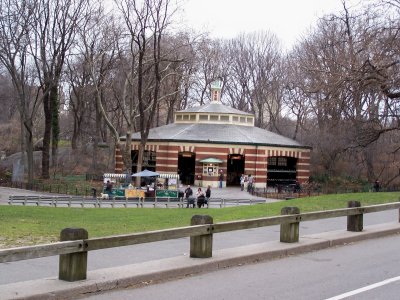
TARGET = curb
x,y
152,272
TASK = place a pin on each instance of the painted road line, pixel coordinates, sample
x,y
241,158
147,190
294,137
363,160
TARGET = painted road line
x,y
366,288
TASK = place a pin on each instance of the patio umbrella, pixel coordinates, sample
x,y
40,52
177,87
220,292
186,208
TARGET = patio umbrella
x,y
146,173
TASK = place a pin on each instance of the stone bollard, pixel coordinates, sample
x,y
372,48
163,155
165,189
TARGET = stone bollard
x,y
73,266
355,222
201,246
290,231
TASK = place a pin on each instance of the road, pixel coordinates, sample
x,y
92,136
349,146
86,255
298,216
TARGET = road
x,y
332,274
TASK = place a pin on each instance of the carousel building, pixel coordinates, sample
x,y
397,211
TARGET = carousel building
x,y
208,140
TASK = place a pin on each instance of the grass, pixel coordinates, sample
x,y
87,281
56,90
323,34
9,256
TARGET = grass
x,y
24,225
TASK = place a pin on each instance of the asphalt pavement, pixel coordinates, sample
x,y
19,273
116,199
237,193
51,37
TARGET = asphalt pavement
x,y
336,273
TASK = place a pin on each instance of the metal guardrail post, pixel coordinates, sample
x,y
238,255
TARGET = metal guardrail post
x,y
201,245
355,222
73,266
290,231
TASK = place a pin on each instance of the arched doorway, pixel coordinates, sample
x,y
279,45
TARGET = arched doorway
x,y
281,170
235,169
186,167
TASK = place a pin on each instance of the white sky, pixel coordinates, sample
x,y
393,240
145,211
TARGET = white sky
x,y
288,19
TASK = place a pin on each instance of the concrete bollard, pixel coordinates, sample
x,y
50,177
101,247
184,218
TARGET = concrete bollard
x,y
355,222
290,231
201,246
73,266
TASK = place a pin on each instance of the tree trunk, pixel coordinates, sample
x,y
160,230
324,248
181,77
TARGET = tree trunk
x,y
46,137
23,143
28,137
55,124
140,160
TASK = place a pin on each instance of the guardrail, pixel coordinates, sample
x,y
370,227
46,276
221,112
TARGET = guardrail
x,y
75,244
69,201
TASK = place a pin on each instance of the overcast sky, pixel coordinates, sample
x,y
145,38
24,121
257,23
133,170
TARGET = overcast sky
x,y
288,19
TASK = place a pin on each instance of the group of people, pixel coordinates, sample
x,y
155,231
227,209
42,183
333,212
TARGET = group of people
x,y
246,183
201,198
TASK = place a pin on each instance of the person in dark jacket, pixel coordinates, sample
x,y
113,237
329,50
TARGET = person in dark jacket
x,y
108,188
377,186
188,196
208,195
221,178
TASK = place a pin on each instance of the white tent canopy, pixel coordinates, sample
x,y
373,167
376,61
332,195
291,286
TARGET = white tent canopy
x,y
146,173
114,175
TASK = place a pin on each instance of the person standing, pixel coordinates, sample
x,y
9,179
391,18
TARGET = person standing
x,y
188,196
208,195
250,186
246,183
221,178
377,186
108,188
242,182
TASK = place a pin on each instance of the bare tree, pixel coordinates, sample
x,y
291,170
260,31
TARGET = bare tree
x,y
146,24
254,75
53,28
348,82
15,30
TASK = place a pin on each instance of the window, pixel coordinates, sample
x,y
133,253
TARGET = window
x,y
249,120
282,161
179,117
224,118
186,117
242,120
213,117
210,169
192,117
235,119
149,158
271,161
203,117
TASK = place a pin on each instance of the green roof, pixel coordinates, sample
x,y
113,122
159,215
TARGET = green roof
x,y
211,160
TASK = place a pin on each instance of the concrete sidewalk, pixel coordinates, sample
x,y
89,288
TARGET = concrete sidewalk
x,y
151,272
231,193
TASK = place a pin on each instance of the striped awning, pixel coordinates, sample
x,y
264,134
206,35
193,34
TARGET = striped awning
x,y
114,175
169,175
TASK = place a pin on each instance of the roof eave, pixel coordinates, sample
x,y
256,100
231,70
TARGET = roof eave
x,y
223,143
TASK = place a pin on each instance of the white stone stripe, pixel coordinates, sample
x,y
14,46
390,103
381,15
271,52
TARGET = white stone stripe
x,y
166,165
236,151
167,158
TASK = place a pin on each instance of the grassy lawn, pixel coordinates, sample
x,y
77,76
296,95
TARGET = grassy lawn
x,y
34,225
